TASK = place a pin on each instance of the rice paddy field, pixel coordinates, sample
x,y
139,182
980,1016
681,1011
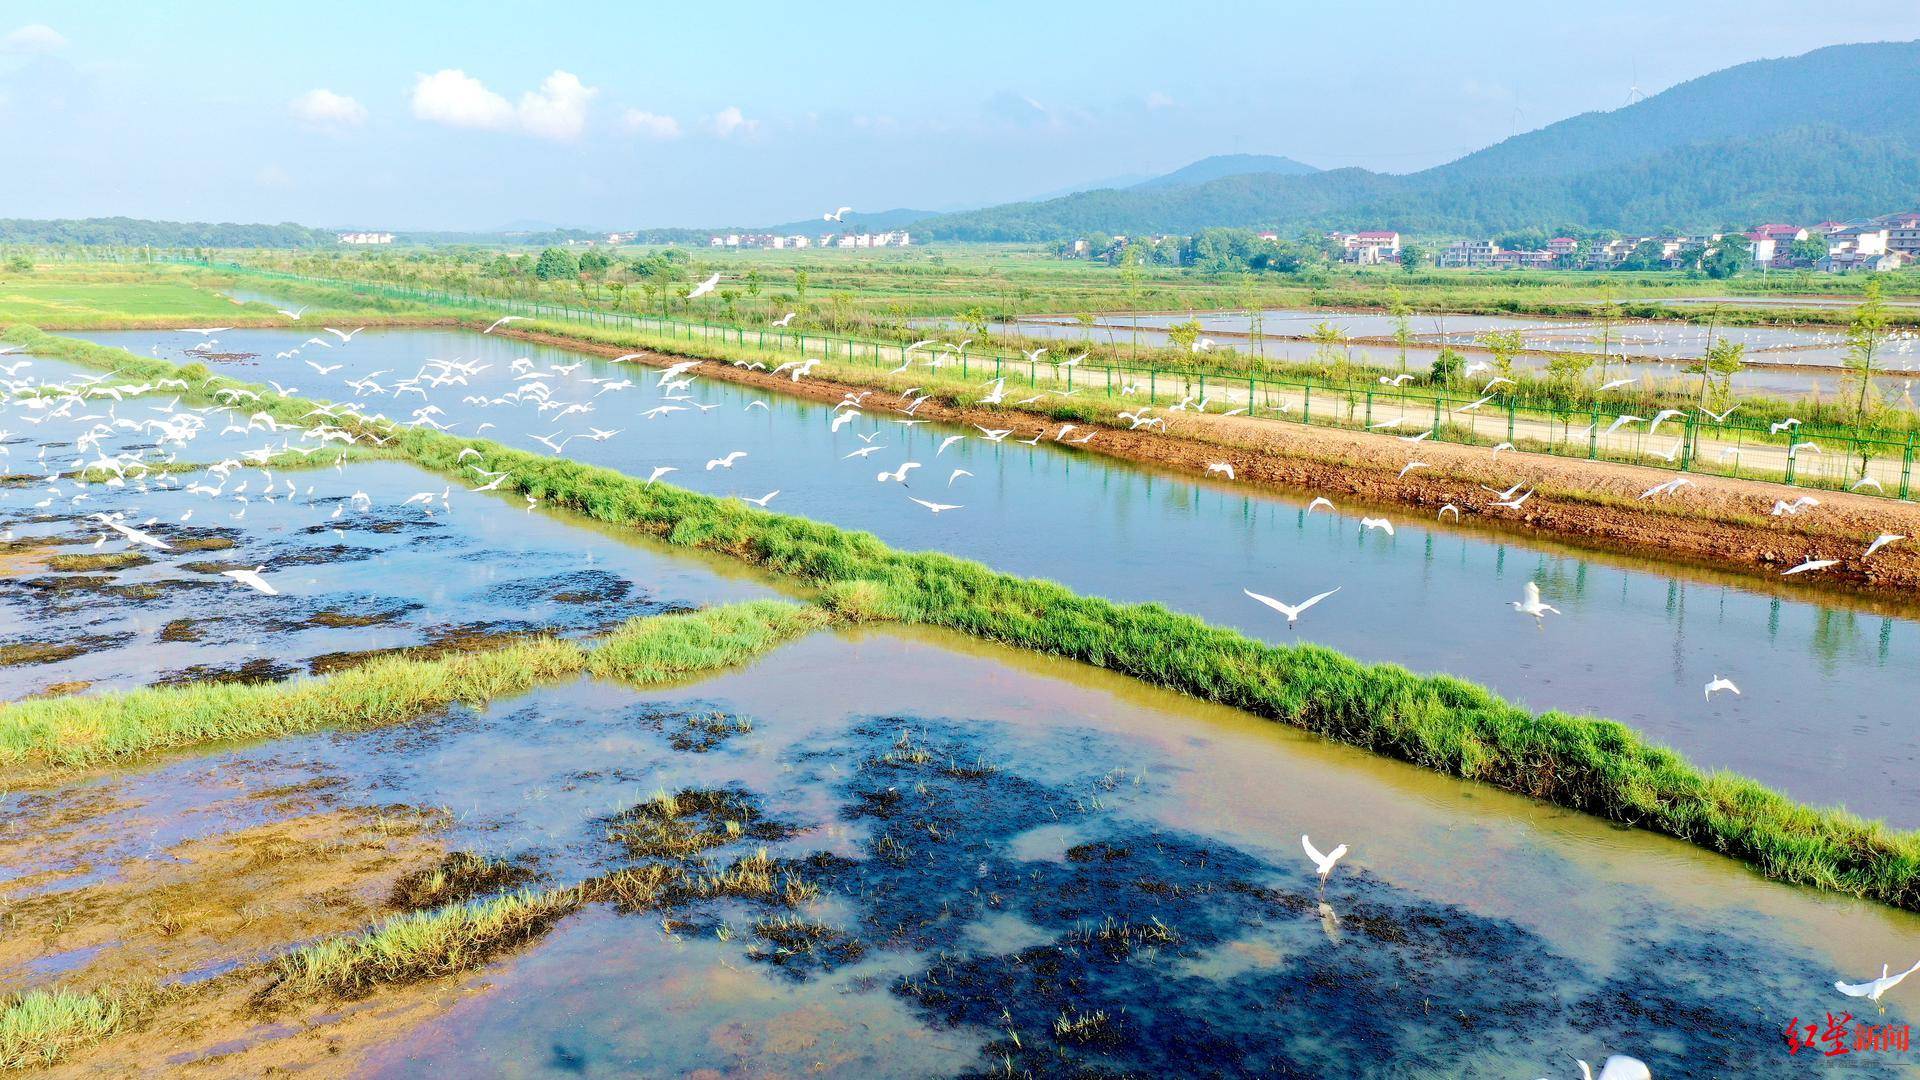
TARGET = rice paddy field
x,y
411,701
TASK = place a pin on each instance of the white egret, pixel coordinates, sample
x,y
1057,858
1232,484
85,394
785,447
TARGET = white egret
x,y
1377,523
1531,603
726,462
1874,989
1721,682
1291,611
252,580
1882,541
1810,564
1322,862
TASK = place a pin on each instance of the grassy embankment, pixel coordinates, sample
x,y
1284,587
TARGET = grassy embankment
x,y
1442,723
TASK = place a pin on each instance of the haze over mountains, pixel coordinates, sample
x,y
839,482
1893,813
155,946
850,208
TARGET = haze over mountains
x,y
1824,135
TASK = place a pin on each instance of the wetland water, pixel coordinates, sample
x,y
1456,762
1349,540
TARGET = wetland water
x,y
1002,840
1824,680
1657,350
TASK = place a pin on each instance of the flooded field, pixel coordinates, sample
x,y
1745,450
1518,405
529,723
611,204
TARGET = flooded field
x,y
1637,642
1777,357
998,863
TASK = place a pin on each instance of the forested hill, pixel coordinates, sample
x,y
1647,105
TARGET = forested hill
x,y
137,232
1824,135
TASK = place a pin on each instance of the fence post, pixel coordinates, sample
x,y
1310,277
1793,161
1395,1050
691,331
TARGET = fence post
x,y
1306,403
1509,418
1369,420
1687,443
1906,467
1593,436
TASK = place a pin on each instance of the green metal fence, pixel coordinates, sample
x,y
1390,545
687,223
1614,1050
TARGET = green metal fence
x,y
1827,458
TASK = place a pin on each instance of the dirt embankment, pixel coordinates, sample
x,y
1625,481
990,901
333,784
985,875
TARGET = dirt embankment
x,y
1713,522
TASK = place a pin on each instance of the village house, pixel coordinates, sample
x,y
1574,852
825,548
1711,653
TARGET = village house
x,y
366,238
1367,248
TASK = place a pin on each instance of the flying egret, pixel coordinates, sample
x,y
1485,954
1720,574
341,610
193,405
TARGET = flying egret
x,y
499,322
1721,682
1873,989
763,500
725,462
938,508
1322,863
1449,506
1810,564
784,319
1882,541
1291,611
1319,501
704,287
252,580
1377,523
1224,468
1617,1067
957,474
1532,605
1412,465
899,475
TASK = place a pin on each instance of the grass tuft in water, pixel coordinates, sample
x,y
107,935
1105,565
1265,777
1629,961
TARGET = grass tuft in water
x,y
38,1027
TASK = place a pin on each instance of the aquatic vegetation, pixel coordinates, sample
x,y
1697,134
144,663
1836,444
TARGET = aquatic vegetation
x,y
41,737
108,560
1447,724
661,648
686,823
38,1027
418,945
460,876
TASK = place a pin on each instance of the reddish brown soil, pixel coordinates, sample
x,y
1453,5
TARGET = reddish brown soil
x,y
1717,523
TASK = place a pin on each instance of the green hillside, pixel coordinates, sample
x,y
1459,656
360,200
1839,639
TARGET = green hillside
x,y
1824,135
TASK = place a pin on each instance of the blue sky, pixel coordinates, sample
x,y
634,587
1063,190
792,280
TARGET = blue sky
x,y
408,114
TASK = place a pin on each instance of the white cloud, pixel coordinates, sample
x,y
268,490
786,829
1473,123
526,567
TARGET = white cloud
x,y
324,108
556,110
651,125
34,38
1158,100
456,99
730,121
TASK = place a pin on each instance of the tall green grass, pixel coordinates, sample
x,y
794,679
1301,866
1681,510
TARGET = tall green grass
x,y
662,648
1442,723
418,945
51,735
39,1027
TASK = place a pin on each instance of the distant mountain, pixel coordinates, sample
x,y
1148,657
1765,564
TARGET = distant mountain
x,y
134,232
1124,180
1823,135
1219,165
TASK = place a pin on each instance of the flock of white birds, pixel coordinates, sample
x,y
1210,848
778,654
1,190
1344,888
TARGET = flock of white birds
x,y
230,484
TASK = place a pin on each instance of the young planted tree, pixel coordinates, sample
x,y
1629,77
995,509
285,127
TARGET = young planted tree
x,y
1328,343
1504,345
1865,334
1402,319
1609,312
1184,334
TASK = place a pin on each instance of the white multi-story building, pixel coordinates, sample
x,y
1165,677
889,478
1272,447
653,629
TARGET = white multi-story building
x,y
366,238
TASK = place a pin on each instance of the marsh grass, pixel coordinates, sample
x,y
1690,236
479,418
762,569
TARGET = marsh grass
x,y
458,877
661,648
52,735
1442,723
416,946
38,1027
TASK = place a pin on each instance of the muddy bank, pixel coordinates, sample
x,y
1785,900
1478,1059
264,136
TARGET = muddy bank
x,y
1717,523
